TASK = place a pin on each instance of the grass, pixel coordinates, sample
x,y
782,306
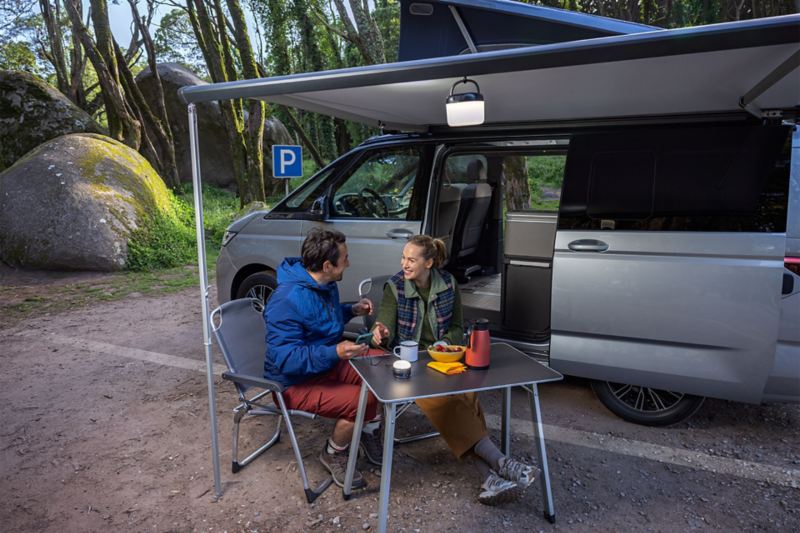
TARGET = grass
x,y
219,207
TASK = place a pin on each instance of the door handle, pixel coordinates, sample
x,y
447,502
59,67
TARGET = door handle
x,y
399,234
588,245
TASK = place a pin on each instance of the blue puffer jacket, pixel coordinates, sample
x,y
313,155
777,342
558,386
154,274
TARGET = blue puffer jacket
x,y
304,322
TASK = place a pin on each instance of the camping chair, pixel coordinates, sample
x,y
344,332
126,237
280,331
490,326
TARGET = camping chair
x,y
239,328
372,288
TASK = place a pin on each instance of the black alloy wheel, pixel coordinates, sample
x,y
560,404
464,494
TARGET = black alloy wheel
x,y
259,285
646,406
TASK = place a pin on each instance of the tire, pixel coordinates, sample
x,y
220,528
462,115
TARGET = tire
x,y
259,285
646,406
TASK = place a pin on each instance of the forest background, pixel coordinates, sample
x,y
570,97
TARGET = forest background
x,y
71,44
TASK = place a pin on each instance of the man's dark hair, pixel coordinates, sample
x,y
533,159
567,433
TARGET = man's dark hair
x,y
321,245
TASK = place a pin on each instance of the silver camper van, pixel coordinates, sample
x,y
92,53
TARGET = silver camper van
x,y
662,261
628,212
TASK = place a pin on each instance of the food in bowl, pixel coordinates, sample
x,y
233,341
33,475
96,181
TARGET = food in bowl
x,y
447,353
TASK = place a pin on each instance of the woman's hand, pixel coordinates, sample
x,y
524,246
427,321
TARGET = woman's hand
x,y
362,307
348,349
379,333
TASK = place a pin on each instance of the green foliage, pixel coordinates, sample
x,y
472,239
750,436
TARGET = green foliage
x,y
219,210
387,17
169,239
166,240
545,176
175,42
17,55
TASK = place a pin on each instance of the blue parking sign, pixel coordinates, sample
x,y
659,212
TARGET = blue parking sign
x,y
287,161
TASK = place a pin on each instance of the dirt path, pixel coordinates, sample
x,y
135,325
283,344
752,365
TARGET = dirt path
x,y
103,426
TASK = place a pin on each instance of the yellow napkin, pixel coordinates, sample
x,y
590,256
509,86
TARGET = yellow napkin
x,y
448,368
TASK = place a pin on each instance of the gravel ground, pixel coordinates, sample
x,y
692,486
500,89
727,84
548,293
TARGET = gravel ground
x,y
100,432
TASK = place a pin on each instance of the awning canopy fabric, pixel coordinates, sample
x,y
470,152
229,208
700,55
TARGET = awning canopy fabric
x,y
668,72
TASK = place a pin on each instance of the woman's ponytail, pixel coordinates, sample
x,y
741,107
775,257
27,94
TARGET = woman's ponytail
x,y
431,249
441,253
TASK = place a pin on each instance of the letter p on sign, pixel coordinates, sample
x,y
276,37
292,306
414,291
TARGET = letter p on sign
x,y
287,161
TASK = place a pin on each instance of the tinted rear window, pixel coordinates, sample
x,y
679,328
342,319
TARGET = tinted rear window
x,y
679,178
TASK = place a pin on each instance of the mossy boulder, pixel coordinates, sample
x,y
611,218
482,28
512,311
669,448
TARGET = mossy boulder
x,y
215,155
76,202
32,112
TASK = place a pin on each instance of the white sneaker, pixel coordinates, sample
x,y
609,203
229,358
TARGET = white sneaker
x,y
520,473
496,490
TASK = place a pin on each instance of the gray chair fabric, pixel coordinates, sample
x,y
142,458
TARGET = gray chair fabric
x,y
475,200
449,204
238,326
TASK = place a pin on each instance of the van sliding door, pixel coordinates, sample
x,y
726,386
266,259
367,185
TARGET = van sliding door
x,y
530,227
669,256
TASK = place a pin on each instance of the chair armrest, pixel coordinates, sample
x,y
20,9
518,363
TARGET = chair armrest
x,y
253,381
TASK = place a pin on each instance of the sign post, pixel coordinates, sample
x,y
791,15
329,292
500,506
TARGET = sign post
x,y
287,162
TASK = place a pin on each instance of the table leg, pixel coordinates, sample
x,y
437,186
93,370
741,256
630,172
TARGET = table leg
x,y
389,410
505,423
538,437
353,457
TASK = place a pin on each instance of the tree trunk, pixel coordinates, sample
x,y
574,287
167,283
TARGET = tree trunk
x,y
298,129
127,129
169,168
517,192
55,38
259,179
212,52
103,38
365,35
77,66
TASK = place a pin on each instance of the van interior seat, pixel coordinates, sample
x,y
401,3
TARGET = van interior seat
x,y
476,197
449,204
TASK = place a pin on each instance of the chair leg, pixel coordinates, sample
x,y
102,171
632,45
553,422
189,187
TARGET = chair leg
x,y
239,413
311,495
411,438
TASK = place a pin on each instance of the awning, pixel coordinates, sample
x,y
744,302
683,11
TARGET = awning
x,y
705,69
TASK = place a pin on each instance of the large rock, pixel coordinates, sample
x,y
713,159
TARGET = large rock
x,y
215,156
73,202
32,112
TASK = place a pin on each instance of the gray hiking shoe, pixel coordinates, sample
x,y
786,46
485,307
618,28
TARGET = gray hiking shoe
x,y
520,473
372,446
496,490
336,464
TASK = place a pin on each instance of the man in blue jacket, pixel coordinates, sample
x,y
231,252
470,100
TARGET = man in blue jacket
x,y
305,352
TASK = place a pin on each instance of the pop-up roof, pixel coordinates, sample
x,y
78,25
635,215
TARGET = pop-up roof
x,y
436,28
708,69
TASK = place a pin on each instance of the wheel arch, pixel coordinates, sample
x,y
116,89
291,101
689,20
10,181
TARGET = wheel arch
x,y
246,271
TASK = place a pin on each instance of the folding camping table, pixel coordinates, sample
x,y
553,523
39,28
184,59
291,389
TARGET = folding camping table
x,y
509,368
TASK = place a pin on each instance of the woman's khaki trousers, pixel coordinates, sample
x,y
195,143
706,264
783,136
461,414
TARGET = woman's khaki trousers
x,y
459,419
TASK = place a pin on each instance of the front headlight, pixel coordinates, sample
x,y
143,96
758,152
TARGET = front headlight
x,y
227,237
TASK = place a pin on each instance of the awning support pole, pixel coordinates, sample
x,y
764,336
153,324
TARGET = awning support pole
x,y
203,273
777,74
464,31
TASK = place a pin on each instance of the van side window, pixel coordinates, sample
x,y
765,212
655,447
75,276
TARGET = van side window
x,y
543,174
731,178
304,196
380,186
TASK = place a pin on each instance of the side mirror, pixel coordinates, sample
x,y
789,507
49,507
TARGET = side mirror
x,y
319,209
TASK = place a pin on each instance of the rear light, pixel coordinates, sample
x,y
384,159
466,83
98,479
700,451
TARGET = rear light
x,y
227,236
792,264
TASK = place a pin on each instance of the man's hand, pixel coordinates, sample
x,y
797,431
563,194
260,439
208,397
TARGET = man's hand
x,y
348,349
362,307
379,333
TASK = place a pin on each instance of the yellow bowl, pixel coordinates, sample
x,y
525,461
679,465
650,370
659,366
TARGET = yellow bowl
x,y
447,357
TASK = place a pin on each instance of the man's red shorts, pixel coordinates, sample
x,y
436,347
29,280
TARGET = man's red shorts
x,y
333,394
